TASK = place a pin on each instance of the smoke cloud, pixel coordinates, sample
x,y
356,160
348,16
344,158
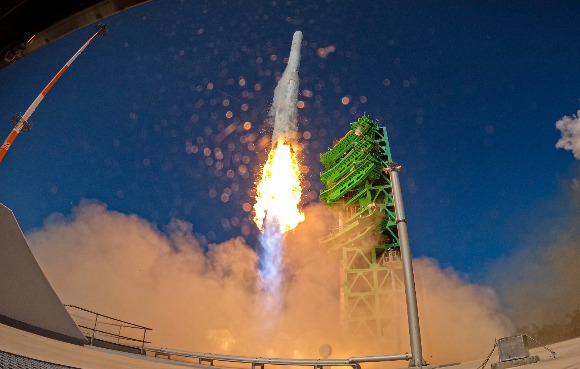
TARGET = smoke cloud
x,y
543,281
459,320
570,128
209,300
538,283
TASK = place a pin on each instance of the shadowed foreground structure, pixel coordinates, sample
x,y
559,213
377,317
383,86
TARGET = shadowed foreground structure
x,y
28,25
27,300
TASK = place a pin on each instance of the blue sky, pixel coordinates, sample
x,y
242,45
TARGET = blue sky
x,y
469,92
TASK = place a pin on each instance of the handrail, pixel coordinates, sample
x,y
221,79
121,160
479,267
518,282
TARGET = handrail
x,y
118,336
255,361
108,317
113,335
113,324
261,361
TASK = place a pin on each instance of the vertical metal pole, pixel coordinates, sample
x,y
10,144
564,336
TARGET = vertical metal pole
x,y
94,328
412,311
143,343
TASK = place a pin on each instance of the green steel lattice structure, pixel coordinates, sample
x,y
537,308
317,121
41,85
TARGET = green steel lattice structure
x,y
356,185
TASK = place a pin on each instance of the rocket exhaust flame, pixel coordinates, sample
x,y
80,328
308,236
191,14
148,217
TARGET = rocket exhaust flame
x,y
278,192
277,198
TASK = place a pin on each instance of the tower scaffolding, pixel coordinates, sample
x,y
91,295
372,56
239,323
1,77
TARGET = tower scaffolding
x,y
358,188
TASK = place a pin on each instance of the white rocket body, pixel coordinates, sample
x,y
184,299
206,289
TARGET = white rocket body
x,y
284,111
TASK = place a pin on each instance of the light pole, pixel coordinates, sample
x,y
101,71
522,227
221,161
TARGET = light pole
x,y
393,170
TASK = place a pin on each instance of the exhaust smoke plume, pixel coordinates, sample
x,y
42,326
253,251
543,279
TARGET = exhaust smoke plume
x,y
212,300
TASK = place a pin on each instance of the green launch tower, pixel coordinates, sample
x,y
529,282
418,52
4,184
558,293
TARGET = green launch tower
x,y
357,186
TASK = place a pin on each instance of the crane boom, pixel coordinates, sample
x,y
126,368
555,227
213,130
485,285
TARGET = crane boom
x,y
20,123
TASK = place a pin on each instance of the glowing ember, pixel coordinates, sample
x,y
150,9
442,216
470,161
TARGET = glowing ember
x,y
279,191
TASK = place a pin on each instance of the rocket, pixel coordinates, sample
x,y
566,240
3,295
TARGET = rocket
x,y
284,110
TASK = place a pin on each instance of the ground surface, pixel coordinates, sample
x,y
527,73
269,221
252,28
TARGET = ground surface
x,y
40,348
33,346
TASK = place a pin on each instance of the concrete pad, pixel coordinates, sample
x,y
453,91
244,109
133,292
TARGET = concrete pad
x,y
42,348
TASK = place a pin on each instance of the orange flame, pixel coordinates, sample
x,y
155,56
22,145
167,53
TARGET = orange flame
x,y
278,193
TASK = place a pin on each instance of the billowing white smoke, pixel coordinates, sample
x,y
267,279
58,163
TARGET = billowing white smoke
x,y
570,128
211,300
284,113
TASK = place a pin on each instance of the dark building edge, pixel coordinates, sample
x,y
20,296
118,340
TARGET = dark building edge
x,y
28,25
40,331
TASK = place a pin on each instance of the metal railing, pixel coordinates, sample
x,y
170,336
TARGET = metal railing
x,y
259,362
354,362
115,323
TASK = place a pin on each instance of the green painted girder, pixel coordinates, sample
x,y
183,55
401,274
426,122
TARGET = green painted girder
x,y
388,222
355,179
369,210
388,246
335,236
338,150
350,234
358,173
356,198
371,195
353,231
383,142
360,149
368,194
